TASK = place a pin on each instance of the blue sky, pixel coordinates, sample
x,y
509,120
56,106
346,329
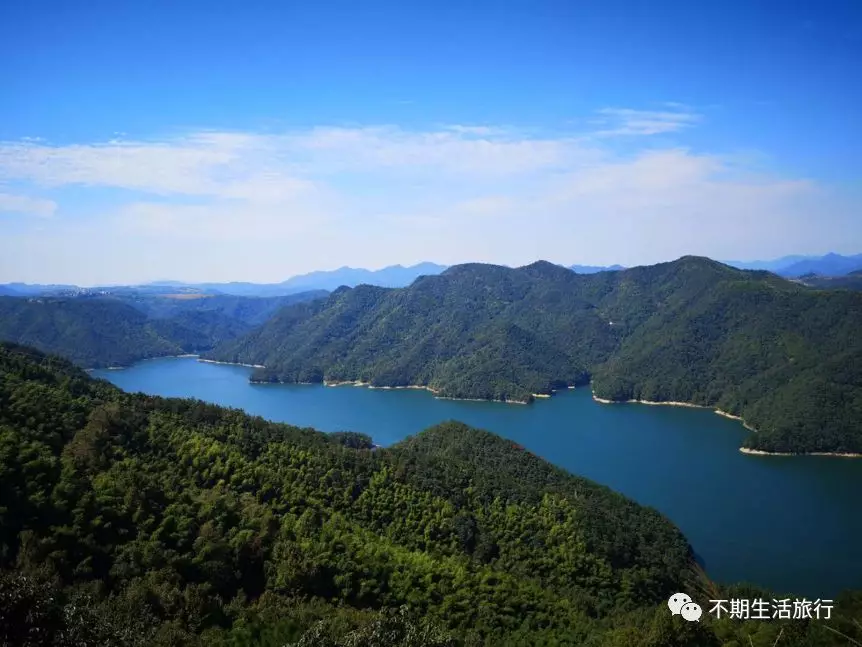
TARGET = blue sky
x,y
256,140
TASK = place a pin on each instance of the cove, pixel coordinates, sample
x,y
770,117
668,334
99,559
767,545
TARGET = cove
x,y
792,524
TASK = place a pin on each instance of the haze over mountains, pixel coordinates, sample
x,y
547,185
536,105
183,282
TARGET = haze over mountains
x,y
393,276
788,266
796,266
851,281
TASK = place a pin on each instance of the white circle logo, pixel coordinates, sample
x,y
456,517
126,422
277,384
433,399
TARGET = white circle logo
x,y
691,611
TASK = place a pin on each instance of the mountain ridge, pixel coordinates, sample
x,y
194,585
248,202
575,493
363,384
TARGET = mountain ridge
x,y
692,330
793,266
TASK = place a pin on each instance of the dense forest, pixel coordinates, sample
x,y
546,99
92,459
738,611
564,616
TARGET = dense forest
x,y
92,333
137,520
786,358
851,281
249,310
99,331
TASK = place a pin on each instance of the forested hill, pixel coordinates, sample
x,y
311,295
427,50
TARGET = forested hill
x,y
250,310
785,357
851,281
92,333
117,330
136,520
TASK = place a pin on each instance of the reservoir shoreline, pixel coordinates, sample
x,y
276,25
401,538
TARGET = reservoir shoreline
x,y
730,416
436,394
760,452
674,403
368,385
138,361
650,455
212,361
420,387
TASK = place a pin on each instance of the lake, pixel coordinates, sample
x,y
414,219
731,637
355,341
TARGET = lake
x,y
793,524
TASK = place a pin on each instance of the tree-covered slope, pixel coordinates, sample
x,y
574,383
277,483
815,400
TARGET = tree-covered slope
x,y
474,331
136,520
199,330
249,310
785,357
110,330
851,281
92,333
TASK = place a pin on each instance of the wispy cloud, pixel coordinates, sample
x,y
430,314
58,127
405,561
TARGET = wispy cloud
x,y
235,164
233,205
482,131
187,166
23,204
625,121
248,165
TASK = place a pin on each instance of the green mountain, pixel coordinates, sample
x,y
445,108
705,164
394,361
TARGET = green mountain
x,y
137,520
198,330
851,281
786,358
251,311
110,330
91,332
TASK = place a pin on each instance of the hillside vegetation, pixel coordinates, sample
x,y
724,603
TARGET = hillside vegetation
x,y
137,520
786,358
92,333
102,331
248,310
851,281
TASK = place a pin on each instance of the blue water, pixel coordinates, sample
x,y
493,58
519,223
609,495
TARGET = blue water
x,y
793,524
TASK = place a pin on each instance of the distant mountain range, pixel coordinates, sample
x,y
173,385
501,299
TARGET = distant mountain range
x,y
32,289
397,276
829,265
595,269
394,276
797,266
775,265
851,281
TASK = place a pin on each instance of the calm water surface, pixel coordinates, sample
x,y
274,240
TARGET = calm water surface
x,y
793,524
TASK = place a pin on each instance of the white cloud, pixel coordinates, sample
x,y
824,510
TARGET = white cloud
x,y
463,151
183,166
247,206
624,121
481,131
23,204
